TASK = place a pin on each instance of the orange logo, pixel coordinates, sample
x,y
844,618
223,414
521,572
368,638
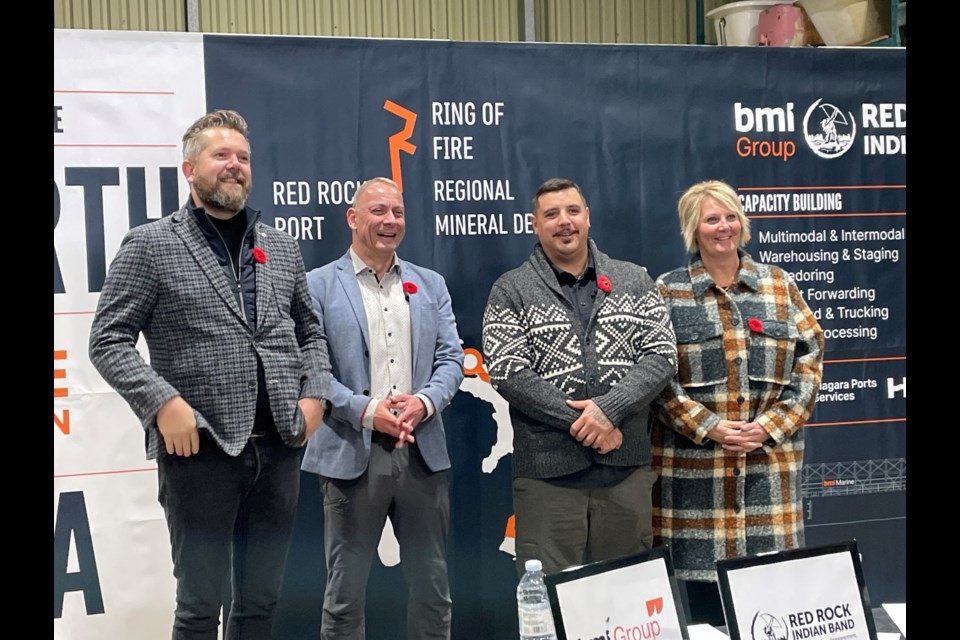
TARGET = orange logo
x,y
400,141
654,606
477,369
62,422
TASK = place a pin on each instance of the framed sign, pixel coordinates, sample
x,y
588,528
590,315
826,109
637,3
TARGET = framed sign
x,y
814,593
629,598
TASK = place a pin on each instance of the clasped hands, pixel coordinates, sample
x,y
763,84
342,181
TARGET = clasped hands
x,y
593,428
398,416
738,435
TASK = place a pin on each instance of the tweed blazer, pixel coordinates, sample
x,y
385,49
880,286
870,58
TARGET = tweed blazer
x,y
539,356
752,352
341,447
166,283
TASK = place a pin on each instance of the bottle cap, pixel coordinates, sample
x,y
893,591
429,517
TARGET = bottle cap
x,y
533,565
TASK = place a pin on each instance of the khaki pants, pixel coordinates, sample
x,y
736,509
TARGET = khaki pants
x,y
563,527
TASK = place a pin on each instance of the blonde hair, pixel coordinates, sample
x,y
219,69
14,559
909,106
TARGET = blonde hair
x,y
691,202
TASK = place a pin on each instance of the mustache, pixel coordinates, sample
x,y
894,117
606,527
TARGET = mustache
x,y
233,173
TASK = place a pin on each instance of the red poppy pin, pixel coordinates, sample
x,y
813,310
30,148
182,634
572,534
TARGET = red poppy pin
x,y
409,287
755,325
604,283
259,255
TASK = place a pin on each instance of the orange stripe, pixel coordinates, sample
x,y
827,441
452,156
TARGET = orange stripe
x,y
59,355
830,424
832,215
846,186
60,392
59,373
101,473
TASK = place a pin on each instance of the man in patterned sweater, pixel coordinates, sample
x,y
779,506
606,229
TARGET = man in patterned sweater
x,y
579,344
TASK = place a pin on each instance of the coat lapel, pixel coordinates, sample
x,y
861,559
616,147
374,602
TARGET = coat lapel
x,y
264,277
348,280
186,227
415,302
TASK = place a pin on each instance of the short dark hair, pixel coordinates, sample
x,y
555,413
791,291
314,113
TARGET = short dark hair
x,y
219,119
556,184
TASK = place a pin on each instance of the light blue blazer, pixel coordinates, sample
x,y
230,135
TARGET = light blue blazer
x,y
340,448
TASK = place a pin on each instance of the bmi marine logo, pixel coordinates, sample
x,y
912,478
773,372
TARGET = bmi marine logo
x,y
768,627
828,131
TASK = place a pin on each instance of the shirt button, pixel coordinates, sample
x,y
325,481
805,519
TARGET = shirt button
x,y
385,309
736,471
391,360
736,508
389,335
738,360
740,399
736,321
583,304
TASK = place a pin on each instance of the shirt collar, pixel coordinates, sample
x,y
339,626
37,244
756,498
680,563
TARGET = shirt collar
x,y
359,265
700,279
562,275
251,215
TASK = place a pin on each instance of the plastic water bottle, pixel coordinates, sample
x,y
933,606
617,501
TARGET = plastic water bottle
x,y
533,605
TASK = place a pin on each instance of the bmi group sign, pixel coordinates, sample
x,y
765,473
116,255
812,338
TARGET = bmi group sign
x,y
813,139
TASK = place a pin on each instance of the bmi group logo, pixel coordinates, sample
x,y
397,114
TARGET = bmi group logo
x,y
649,629
767,626
769,131
828,131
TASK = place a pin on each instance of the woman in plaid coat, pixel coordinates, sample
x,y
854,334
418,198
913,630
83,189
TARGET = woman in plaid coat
x,y
729,447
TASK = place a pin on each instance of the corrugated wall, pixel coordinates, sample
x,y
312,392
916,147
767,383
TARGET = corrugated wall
x,y
446,19
623,21
138,15
617,21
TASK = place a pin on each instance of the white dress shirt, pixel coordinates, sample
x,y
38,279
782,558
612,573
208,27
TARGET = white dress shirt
x,y
391,342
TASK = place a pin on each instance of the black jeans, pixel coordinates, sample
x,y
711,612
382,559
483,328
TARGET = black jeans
x,y
230,518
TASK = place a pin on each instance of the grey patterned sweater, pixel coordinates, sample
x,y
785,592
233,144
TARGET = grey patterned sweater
x,y
538,356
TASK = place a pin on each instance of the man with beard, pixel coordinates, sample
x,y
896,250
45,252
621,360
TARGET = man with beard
x,y
579,344
235,386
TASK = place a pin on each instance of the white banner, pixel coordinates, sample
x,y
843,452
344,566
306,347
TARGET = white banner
x,y
121,103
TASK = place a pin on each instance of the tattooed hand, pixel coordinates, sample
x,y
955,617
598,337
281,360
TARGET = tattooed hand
x,y
592,423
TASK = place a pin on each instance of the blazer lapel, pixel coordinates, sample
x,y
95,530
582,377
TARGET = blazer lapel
x,y
416,308
186,227
264,277
348,280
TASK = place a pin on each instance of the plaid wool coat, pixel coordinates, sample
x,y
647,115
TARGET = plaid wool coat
x,y
753,352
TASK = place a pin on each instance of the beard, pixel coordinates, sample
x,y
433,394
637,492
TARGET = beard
x,y
212,194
